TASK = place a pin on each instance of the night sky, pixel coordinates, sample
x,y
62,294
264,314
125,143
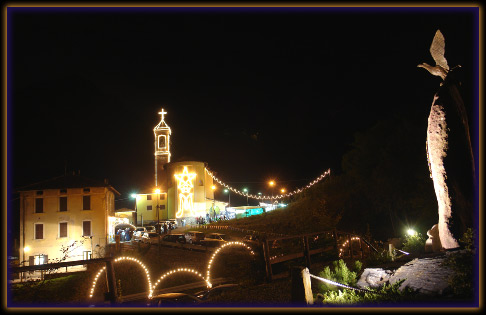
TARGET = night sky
x,y
257,93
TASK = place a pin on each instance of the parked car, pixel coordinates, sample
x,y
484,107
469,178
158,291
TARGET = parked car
x,y
214,291
150,237
138,233
194,237
150,228
169,299
214,239
218,236
179,238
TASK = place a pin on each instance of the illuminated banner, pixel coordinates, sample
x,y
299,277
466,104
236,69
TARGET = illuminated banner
x,y
186,192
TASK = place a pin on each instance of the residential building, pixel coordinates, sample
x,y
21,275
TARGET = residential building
x,y
65,218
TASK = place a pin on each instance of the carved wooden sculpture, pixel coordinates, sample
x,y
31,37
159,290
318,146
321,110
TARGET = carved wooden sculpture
x,y
449,151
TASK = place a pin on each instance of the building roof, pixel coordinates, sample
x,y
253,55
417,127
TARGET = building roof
x,y
68,181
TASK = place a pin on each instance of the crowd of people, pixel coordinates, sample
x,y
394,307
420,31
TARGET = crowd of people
x,y
125,234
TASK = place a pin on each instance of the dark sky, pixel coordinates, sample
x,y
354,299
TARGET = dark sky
x,y
257,93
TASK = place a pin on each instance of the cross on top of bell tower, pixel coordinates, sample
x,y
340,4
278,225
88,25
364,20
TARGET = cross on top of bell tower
x,y
162,114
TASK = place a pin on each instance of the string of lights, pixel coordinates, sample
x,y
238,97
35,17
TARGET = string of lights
x,y
260,197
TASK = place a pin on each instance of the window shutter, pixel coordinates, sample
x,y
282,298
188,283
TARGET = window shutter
x,y
39,205
39,231
31,261
62,203
86,228
46,259
86,202
63,229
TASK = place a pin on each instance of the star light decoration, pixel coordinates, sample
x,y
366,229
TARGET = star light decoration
x,y
185,186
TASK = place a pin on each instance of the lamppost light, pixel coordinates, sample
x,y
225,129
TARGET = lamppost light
x,y
157,191
226,190
213,187
271,183
133,195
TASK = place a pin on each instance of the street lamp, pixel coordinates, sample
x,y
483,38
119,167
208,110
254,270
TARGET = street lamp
x,y
134,196
157,191
246,191
214,210
229,197
272,184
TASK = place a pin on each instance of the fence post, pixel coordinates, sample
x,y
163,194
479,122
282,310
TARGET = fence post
x,y
306,251
301,291
266,257
350,247
361,247
110,277
335,235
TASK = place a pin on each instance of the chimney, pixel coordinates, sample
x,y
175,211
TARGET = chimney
x,y
106,181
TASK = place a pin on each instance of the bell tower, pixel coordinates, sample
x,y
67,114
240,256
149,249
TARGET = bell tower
x,y
162,134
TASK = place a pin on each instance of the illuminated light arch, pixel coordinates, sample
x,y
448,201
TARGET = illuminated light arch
x,y
121,259
219,249
354,238
209,285
260,197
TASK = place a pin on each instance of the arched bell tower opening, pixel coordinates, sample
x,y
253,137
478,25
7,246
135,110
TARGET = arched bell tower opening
x,y
162,134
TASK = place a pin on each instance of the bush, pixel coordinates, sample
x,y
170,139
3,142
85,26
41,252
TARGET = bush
x,y
414,244
461,263
381,257
341,274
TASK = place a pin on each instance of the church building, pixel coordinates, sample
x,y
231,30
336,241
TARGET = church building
x,y
182,190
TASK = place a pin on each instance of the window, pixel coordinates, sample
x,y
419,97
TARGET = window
x,y
149,197
39,205
39,193
86,255
62,203
39,231
63,191
40,259
162,142
62,229
86,190
149,207
162,207
162,197
86,202
86,228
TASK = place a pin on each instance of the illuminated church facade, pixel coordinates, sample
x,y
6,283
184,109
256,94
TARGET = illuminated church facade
x,y
183,190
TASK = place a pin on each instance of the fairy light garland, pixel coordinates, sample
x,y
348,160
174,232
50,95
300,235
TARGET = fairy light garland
x,y
150,290
219,249
151,287
209,285
260,197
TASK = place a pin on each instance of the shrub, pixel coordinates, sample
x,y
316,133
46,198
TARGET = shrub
x,y
341,274
414,244
461,263
381,257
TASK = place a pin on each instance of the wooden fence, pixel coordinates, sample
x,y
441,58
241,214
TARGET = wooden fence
x,y
281,249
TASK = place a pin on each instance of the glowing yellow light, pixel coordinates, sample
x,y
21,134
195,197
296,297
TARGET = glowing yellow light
x,y
411,232
185,185
213,187
282,190
271,183
26,249
157,191
120,259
